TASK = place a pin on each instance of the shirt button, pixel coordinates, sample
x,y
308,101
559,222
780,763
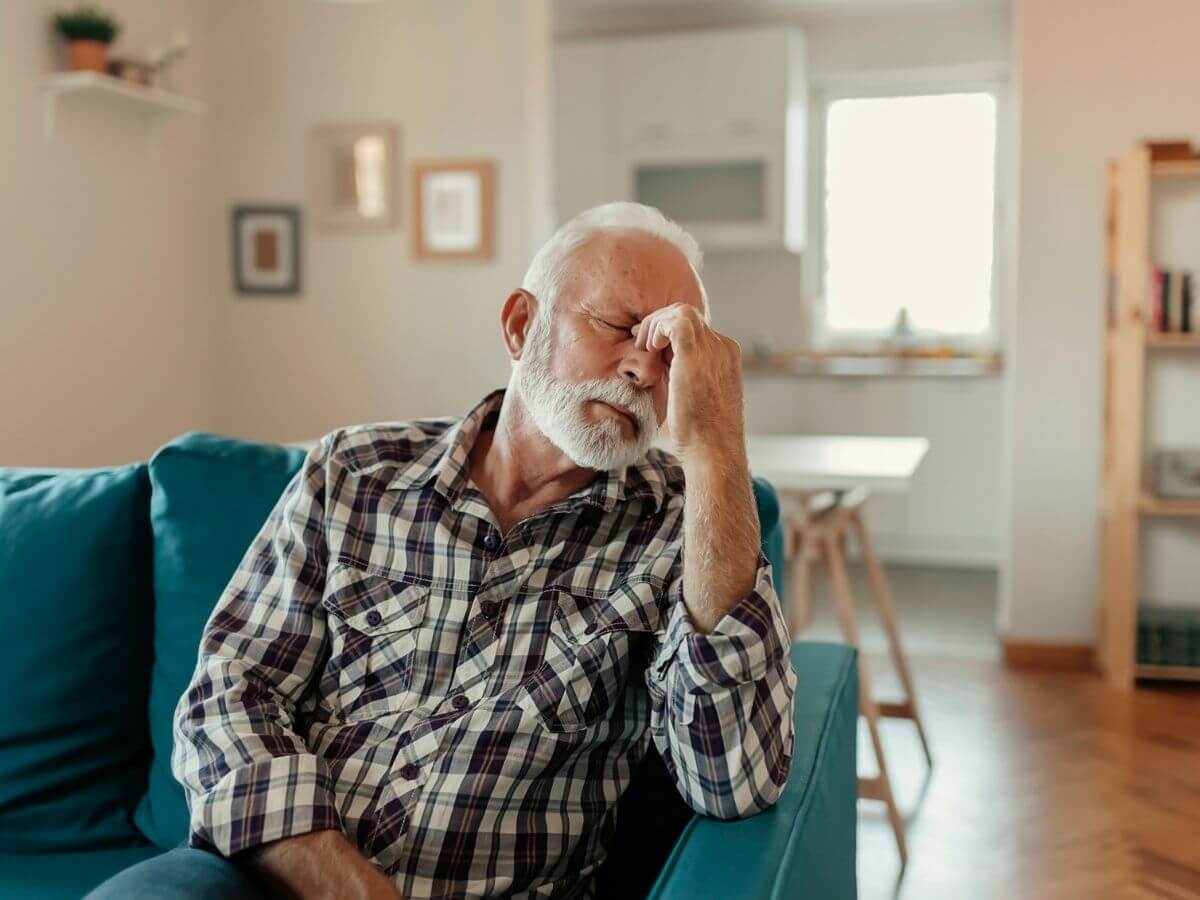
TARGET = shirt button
x,y
460,701
591,628
491,540
374,618
489,608
409,771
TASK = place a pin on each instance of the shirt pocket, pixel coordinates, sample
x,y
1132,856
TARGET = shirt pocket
x,y
374,623
595,644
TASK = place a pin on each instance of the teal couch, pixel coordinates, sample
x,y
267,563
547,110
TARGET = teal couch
x,y
106,579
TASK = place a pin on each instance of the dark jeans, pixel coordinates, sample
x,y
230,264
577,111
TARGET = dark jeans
x,y
180,874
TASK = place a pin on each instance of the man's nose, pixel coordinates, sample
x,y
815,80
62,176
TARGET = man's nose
x,y
643,368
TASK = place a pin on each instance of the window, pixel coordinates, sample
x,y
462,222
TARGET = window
x,y
909,217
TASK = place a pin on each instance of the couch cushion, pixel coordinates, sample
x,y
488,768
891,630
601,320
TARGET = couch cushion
x,y
64,876
74,656
804,845
652,814
211,496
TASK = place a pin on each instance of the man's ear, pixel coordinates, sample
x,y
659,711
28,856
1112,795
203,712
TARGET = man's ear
x,y
516,317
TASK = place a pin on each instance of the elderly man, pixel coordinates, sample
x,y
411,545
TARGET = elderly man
x,y
453,641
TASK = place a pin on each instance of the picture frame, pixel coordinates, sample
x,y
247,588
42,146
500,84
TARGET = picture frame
x,y
266,249
453,209
352,176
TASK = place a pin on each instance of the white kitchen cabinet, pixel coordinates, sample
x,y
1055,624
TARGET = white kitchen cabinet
x,y
656,82
745,83
583,107
709,126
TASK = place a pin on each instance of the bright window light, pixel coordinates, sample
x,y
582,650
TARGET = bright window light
x,y
910,193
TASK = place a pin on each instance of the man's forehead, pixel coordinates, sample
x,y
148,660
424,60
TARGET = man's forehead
x,y
635,271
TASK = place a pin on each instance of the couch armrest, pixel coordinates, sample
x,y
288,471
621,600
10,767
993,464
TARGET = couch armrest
x,y
804,846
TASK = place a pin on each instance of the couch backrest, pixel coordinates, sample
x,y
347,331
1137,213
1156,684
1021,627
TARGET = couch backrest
x,y
211,495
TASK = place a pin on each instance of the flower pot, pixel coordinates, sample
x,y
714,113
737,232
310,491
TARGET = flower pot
x,y
88,56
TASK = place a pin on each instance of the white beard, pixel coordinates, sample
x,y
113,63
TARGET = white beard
x,y
557,409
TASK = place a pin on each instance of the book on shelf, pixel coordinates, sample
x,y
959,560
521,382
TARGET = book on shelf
x,y
1187,322
1172,307
1168,636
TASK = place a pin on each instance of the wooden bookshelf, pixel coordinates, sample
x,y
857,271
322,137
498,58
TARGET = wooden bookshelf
x,y
1125,501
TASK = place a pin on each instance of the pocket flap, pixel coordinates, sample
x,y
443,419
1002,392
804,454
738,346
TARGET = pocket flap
x,y
631,607
375,604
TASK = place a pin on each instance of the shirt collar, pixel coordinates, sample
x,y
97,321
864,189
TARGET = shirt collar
x,y
446,462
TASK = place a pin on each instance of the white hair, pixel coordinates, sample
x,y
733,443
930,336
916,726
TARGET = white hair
x,y
548,269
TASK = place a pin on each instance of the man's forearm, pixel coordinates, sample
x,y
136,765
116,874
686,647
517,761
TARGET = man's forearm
x,y
721,533
320,864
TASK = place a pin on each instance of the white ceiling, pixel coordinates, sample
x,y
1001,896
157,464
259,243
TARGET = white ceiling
x,y
824,7
582,17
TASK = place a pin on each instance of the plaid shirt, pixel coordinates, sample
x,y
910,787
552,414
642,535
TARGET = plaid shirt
x,y
465,705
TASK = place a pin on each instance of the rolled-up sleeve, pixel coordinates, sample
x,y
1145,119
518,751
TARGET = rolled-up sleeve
x,y
721,703
247,774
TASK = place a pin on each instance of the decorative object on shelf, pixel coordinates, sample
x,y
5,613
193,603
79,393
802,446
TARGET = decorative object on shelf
x,y
1177,473
902,337
453,209
266,249
131,70
352,177
88,32
162,61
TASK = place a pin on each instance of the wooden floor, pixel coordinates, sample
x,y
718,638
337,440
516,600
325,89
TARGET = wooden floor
x,y
1046,785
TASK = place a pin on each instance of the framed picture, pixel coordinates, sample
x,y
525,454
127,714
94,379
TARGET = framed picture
x,y
352,177
453,209
266,249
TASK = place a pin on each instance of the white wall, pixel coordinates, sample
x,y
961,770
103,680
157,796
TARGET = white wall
x,y
106,256
375,335
1094,77
954,513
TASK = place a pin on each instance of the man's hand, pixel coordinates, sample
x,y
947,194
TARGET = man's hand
x,y
704,415
704,395
320,865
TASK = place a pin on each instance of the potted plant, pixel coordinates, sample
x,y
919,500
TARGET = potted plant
x,y
89,32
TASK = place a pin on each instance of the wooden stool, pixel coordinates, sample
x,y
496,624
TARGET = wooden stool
x,y
819,535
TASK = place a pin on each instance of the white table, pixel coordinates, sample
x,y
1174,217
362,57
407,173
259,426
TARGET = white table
x,y
801,462
800,466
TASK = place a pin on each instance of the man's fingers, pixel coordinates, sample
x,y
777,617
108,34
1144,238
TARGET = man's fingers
x,y
670,326
676,330
659,337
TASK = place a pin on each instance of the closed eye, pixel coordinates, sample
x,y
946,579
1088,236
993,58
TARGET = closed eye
x,y
613,325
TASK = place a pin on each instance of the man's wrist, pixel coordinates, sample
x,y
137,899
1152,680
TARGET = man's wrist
x,y
719,458
315,864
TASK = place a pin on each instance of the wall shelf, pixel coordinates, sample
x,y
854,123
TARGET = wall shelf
x,y
1169,673
1149,505
1173,341
878,365
1176,168
150,102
